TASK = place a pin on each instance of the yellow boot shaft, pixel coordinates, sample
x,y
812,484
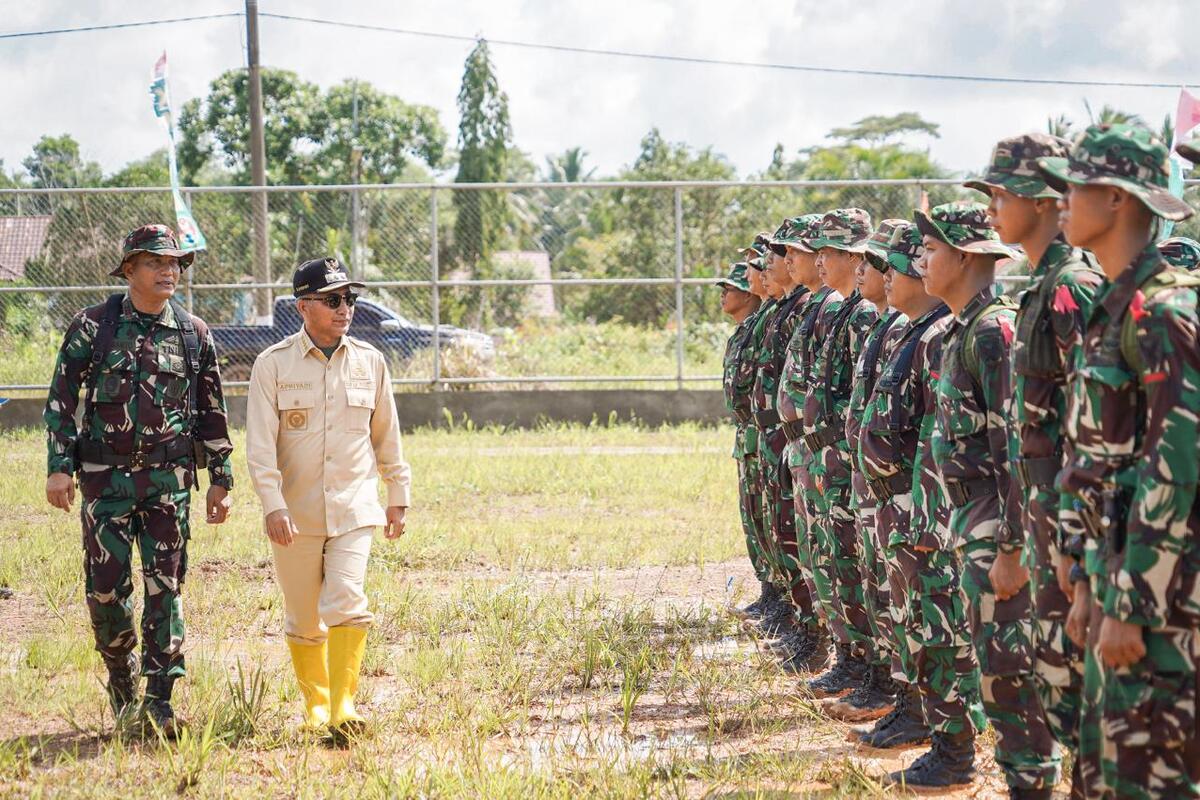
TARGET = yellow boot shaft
x,y
312,673
346,648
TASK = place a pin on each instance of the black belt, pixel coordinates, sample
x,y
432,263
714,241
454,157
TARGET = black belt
x,y
766,419
1037,471
92,452
742,415
962,492
886,488
793,429
823,438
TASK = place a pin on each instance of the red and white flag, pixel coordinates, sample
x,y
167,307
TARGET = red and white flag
x,y
1187,116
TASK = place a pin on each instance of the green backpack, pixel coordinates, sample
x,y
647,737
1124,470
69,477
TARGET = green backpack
x,y
1163,281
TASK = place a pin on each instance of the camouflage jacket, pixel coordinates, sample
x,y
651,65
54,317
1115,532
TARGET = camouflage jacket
x,y
832,381
773,351
1050,323
802,347
896,426
738,382
880,341
1135,433
808,350
758,402
140,403
970,438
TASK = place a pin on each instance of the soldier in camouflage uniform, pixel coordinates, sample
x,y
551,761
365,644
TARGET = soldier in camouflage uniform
x,y
842,328
1134,471
970,448
148,412
741,304
876,696
1049,328
810,649
1180,251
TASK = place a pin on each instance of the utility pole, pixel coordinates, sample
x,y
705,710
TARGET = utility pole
x,y
357,258
258,169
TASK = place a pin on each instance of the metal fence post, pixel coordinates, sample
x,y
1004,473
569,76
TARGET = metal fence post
x,y
435,301
191,301
679,288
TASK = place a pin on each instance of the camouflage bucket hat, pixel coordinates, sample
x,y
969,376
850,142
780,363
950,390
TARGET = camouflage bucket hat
x,y
791,234
1014,166
1180,251
157,239
1129,157
761,240
905,249
845,229
736,279
756,263
1190,150
963,226
877,245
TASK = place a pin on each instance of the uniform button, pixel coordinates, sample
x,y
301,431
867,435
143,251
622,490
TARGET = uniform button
x,y
329,397
329,458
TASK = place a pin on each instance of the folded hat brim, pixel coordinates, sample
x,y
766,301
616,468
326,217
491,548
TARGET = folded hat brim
x,y
1160,201
1025,186
186,257
877,260
928,227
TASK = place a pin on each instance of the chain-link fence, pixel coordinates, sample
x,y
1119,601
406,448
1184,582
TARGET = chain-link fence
x,y
522,285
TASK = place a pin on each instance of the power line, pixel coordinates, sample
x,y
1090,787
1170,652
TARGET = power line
x,y
727,62
119,25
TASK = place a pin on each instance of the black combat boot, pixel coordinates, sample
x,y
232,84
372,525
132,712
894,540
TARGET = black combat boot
x,y
767,593
1044,793
812,654
122,683
904,726
873,699
157,705
845,675
949,763
778,619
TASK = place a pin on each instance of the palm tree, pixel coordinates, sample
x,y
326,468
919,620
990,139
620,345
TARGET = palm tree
x,y
1059,126
1112,116
567,167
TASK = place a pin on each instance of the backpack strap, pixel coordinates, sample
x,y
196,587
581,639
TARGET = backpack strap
x,y
902,366
101,344
967,353
874,348
835,330
1160,282
191,351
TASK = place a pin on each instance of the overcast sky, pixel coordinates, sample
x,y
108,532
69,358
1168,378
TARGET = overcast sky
x,y
94,85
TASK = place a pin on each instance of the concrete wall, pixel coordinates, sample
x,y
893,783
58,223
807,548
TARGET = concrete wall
x,y
519,409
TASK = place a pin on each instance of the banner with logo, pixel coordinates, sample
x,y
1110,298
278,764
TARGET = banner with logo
x,y
190,237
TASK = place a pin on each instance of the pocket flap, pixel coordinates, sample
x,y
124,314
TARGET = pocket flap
x,y
359,398
294,398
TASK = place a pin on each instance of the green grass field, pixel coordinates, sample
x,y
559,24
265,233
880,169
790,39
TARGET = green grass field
x,y
552,625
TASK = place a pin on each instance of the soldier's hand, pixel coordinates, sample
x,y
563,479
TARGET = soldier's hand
x,y
280,527
1064,576
60,490
1008,575
1077,617
395,522
218,502
1120,643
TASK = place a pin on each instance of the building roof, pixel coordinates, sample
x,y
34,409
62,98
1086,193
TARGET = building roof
x,y
21,239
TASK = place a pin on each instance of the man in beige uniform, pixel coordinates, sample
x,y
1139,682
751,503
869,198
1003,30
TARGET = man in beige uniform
x,y
321,431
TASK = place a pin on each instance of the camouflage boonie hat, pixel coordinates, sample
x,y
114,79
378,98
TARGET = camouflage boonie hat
x,y
1129,157
963,226
791,234
757,263
736,279
1180,251
877,245
846,229
761,240
905,249
157,239
1014,165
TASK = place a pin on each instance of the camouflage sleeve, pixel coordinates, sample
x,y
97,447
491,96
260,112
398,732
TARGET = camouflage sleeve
x,y
212,422
993,348
1143,582
71,369
861,324
1069,310
930,516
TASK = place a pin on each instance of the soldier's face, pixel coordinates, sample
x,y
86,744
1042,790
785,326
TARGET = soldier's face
x,y
153,276
904,292
837,267
755,279
733,301
802,267
776,284
1087,213
943,266
1013,217
871,283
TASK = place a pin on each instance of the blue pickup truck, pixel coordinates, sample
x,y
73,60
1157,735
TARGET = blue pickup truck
x,y
394,335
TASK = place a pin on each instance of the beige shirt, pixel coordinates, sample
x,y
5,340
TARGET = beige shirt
x,y
321,434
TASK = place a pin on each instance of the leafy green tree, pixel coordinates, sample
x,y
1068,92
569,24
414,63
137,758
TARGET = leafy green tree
x,y
57,164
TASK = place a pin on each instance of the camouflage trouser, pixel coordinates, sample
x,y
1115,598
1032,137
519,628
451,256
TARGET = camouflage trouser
x,y
750,504
891,531
781,520
934,621
840,547
810,505
1002,633
159,525
1058,664
873,574
1139,725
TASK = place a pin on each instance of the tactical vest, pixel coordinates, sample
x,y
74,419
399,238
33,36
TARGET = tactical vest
x,y
835,330
1038,355
866,373
1156,284
896,373
966,354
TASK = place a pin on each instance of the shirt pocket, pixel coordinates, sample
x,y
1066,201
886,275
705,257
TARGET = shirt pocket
x,y
115,380
1107,417
295,410
171,380
360,405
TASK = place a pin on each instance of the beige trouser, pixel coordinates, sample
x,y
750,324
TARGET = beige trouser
x,y
322,580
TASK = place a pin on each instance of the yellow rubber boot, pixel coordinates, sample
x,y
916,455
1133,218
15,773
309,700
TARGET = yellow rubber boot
x,y
346,647
312,673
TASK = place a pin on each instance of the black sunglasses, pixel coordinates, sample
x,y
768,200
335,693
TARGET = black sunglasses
x,y
335,300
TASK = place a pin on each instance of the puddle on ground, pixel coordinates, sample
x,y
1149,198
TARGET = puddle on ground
x,y
609,745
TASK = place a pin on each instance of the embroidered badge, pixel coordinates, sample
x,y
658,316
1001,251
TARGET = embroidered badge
x,y
296,420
